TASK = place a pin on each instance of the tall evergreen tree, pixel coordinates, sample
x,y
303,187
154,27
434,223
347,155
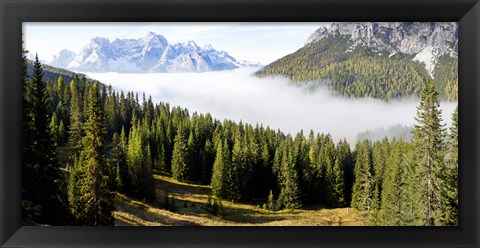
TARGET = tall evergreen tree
x,y
428,141
96,198
347,162
139,164
119,151
449,190
42,196
363,186
219,174
290,195
76,120
338,187
395,186
180,156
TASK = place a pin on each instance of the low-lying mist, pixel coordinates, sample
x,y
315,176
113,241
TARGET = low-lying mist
x,y
239,95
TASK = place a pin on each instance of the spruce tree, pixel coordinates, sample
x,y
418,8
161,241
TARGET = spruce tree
x,y
347,162
428,140
338,187
374,215
42,197
219,175
139,164
449,190
96,198
395,186
290,196
180,156
119,153
76,120
363,186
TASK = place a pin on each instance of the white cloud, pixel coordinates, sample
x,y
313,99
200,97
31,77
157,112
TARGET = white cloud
x,y
238,95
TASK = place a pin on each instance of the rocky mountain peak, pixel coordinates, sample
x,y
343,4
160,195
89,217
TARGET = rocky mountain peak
x,y
428,41
151,53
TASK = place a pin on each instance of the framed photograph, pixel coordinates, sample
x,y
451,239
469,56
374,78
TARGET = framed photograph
x,y
239,123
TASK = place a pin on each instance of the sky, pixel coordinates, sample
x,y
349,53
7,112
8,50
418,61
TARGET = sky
x,y
259,42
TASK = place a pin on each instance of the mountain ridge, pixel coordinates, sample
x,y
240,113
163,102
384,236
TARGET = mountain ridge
x,y
428,41
378,60
152,53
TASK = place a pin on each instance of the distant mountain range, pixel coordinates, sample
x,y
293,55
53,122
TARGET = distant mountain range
x,y
375,59
152,53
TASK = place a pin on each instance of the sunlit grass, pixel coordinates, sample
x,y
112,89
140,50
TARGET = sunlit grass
x,y
190,201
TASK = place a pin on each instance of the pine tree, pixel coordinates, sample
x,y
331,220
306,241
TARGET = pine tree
x,y
119,151
363,186
338,187
96,198
428,140
449,189
208,159
345,157
290,194
180,156
75,203
76,121
240,168
219,175
395,191
139,164
42,197
374,215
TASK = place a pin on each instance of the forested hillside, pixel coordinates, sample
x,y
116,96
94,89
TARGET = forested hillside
x,y
359,70
106,141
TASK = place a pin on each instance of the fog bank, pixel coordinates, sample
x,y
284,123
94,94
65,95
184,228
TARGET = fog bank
x,y
239,95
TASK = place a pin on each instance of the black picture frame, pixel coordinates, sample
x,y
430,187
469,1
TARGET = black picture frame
x,y
14,12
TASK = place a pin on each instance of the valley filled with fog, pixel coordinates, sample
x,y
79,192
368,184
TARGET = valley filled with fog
x,y
273,101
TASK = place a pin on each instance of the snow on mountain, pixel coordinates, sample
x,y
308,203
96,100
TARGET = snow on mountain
x,y
426,41
151,53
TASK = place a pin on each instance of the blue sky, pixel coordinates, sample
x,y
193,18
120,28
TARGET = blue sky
x,y
262,42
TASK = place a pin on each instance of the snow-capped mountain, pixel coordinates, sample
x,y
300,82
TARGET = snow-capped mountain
x,y
428,41
151,53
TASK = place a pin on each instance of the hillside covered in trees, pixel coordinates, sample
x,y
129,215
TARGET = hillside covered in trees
x,y
355,66
97,143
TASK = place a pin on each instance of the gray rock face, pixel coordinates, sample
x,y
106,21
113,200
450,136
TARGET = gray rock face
x,y
151,53
428,41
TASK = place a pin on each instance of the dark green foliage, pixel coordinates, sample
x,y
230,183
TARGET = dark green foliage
x,y
219,175
347,163
117,165
76,119
43,198
139,164
240,161
374,214
363,187
119,159
290,196
75,205
395,194
428,141
338,186
96,199
380,152
180,156
449,187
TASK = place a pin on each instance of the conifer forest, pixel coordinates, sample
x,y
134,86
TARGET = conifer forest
x,y
96,155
